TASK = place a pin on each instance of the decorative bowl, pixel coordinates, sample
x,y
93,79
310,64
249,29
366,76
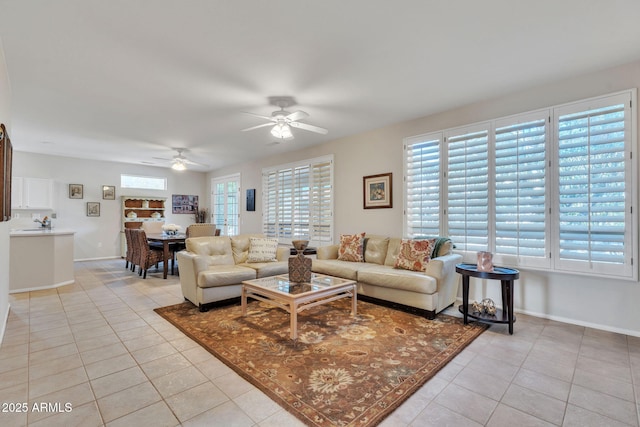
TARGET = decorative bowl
x,y
300,245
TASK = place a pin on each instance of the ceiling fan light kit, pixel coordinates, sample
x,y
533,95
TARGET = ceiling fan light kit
x,y
282,131
282,121
179,162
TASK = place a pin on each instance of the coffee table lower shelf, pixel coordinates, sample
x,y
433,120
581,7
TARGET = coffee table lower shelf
x,y
280,294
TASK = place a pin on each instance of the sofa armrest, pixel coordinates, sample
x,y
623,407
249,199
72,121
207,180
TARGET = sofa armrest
x,y
327,252
443,266
188,275
283,253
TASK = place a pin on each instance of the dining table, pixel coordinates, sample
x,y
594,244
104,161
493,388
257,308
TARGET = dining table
x,y
167,240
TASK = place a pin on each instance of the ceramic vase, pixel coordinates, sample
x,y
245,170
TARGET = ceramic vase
x,y
300,265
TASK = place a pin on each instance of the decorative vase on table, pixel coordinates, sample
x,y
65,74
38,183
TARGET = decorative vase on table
x,y
300,265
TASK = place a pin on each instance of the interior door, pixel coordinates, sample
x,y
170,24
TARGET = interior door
x,y
225,204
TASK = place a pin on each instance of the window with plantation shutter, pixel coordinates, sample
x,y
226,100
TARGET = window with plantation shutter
x,y
551,189
594,185
468,187
298,202
422,185
521,201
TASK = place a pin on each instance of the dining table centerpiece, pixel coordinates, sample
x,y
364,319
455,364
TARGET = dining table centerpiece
x,y
171,229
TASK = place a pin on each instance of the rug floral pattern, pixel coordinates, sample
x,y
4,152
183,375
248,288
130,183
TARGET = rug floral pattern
x,y
342,371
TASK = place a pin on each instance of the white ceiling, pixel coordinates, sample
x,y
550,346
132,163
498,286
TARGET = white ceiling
x,y
127,80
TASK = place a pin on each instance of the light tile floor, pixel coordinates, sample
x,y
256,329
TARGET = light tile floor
x,y
98,346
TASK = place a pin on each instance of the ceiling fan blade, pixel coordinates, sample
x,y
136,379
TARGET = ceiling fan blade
x,y
162,158
297,115
261,116
257,127
191,162
311,128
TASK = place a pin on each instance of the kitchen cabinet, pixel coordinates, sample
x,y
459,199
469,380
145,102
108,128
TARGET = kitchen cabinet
x,y
31,193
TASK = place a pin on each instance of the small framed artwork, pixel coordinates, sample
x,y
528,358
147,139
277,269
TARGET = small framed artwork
x,y
108,192
93,209
76,191
184,204
377,191
251,199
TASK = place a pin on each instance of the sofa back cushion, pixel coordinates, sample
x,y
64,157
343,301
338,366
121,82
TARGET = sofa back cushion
x,y
240,246
375,249
217,248
393,248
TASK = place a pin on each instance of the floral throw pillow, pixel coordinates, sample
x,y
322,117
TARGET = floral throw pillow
x,y
351,247
414,254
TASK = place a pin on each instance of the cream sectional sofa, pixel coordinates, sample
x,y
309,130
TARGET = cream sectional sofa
x,y
429,292
212,268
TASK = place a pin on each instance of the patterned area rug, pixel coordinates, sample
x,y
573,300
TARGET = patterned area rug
x,y
342,371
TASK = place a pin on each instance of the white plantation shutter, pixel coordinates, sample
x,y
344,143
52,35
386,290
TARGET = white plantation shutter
x,y
551,189
298,202
468,188
521,227
269,203
422,186
594,186
321,204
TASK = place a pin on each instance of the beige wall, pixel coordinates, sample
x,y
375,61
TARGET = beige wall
x,y
99,237
5,117
601,303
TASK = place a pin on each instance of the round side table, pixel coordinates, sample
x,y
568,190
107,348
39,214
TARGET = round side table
x,y
506,277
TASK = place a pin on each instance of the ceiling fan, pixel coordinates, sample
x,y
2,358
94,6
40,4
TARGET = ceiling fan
x,y
282,121
179,162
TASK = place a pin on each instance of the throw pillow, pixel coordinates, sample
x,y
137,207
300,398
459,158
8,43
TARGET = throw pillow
x,y
351,247
414,254
262,249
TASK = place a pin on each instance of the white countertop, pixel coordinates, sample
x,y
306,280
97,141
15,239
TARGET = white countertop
x,y
33,232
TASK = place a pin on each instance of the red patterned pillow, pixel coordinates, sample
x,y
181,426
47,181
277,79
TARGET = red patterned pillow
x,y
414,254
351,247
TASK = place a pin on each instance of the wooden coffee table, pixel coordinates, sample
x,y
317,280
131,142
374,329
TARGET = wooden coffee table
x,y
296,297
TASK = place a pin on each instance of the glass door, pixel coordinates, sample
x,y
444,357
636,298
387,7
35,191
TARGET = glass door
x,y
225,204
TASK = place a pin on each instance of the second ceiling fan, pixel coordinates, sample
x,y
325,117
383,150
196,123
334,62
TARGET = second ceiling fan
x,y
282,121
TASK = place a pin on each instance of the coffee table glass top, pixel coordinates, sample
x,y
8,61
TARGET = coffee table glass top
x,y
283,285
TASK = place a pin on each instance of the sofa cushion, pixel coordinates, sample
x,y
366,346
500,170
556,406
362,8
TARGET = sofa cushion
x,y
262,249
375,249
240,246
265,269
414,254
333,267
216,250
393,248
351,247
389,277
224,275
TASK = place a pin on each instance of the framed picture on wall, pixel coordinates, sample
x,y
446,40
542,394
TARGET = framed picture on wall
x,y
76,191
93,209
377,191
108,192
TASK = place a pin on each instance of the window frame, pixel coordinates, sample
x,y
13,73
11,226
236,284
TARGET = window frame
x,y
312,195
628,270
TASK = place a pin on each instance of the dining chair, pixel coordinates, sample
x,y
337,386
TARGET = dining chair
x,y
129,257
147,256
202,229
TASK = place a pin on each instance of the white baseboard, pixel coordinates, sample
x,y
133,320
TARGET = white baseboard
x,y
571,321
97,259
41,288
3,327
